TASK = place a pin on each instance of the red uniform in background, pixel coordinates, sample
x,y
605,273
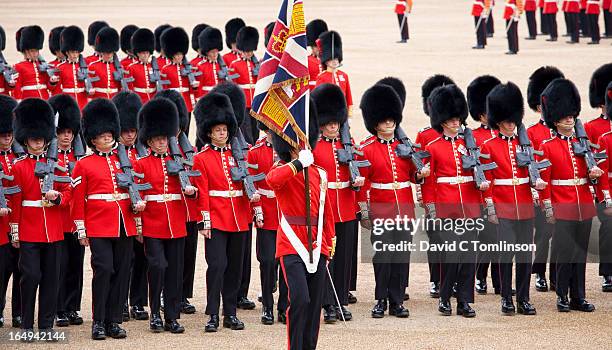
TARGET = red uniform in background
x,y
209,78
339,78
179,83
597,127
106,86
31,82
142,84
69,83
246,79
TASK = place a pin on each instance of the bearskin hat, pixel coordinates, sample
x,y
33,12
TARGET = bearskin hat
x,y
209,39
560,99
446,102
538,81
128,105
602,76
159,117
195,33
331,104
505,102
268,30
107,40
54,39
72,39
314,28
7,105
211,110
237,98
100,116
2,39
34,118
282,147
247,39
477,93
430,84
174,40
261,126
93,30
32,37
18,38
181,107
397,85
143,40
231,30
330,44
67,111
379,103
158,32
126,37
609,100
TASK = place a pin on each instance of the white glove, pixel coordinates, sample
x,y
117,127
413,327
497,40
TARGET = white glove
x,y
306,158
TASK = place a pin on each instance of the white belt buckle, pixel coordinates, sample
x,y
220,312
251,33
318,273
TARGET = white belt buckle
x,y
515,181
116,196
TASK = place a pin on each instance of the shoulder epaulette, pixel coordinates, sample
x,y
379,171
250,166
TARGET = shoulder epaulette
x,y
366,142
257,145
19,159
434,140
424,129
548,140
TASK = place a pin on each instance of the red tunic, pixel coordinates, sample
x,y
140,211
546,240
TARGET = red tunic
x,y
162,61
126,61
400,7
230,57
65,158
314,69
550,7
288,184
69,83
166,211
245,80
426,135
218,194
569,201
179,83
196,60
263,155
6,161
539,133
597,127
5,89
337,78
92,58
449,186
530,5
510,10
605,143
209,78
341,196
107,86
571,6
482,134
141,85
31,82
95,174
593,7
37,224
510,188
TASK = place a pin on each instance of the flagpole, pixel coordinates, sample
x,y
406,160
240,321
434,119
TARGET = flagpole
x,y
307,182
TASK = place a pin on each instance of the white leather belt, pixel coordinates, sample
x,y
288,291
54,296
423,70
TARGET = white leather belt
x,y
207,88
167,197
225,194
511,182
145,90
246,86
390,186
106,90
109,197
267,193
338,185
180,89
33,87
570,182
454,180
34,204
1,89
73,90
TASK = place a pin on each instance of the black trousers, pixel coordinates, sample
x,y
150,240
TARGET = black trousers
x,y
552,25
11,268
513,44
249,128
605,242
283,292
391,270
515,232
607,15
532,26
458,267
110,261
71,274
593,21
189,264
354,260
224,253
433,258
138,276
340,265
39,264
570,242
403,29
568,27
245,280
165,272
543,23
584,24
266,255
573,26
305,298
481,31
490,24
484,258
543,234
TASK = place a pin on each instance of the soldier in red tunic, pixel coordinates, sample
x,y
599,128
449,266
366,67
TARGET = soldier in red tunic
x,y
231,32
597,98
605,239
92,32
571,9
31,81
247,69
452,196
104,217
162,59
330,46
125,39
538,133
9,255
550,10
72,253
107,44
143,42
70,80
223,207
509,203
480,12
477,93
5,86
314,28
163,220
175,44
402,9
530,15
36,218
210,44
592,13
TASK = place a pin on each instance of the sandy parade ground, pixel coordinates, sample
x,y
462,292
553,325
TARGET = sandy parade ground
x,y
442,34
